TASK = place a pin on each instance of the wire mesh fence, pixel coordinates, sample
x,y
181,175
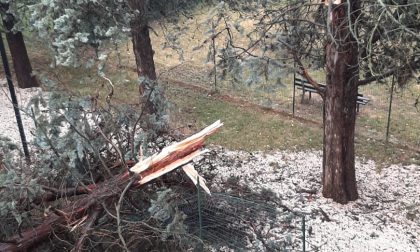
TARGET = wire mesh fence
x,y
224,222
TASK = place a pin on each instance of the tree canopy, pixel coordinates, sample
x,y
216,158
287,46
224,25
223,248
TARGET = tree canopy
x,y
386,33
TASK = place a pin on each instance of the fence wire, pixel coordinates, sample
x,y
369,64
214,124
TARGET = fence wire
x,y
224,221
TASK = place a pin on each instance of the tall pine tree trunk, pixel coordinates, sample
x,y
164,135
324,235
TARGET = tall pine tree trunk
x,y
143,51
21,63
339,179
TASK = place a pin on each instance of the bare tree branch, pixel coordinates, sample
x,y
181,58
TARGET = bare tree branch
x,y
305,74
413,66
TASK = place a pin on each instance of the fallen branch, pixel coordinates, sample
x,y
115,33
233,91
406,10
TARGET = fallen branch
x,y
326,217
308,191
52,194
89,223
168,159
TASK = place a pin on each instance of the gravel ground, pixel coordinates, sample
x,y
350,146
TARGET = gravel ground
x,y
9,126
385,218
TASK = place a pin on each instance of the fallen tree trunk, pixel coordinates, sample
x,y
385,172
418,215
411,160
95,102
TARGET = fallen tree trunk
x,y
88,207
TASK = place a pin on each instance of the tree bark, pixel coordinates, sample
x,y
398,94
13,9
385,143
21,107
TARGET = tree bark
x,y
20,58
143,51
339,179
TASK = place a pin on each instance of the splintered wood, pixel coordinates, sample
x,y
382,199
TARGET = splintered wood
x,y
174,156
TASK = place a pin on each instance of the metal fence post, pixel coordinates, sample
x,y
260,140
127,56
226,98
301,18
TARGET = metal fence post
x,y
303,234
199,207
389,109
214,63
294,90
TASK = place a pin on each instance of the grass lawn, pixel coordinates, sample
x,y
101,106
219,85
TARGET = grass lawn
x,y
246,128
251,129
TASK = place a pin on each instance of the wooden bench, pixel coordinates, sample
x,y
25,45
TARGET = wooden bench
x,y
305,86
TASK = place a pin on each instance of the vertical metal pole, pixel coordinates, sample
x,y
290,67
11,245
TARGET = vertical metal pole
x,y
14,100
200,221
214,64
389,109
199,207
303,92
294,91
303,234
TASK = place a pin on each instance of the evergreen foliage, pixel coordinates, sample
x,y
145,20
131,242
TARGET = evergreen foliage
x,y
74,25
76,142
16,9
386,33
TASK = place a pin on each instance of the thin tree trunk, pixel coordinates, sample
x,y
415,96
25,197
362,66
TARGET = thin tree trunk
x,y
339,179
143,51
21,63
